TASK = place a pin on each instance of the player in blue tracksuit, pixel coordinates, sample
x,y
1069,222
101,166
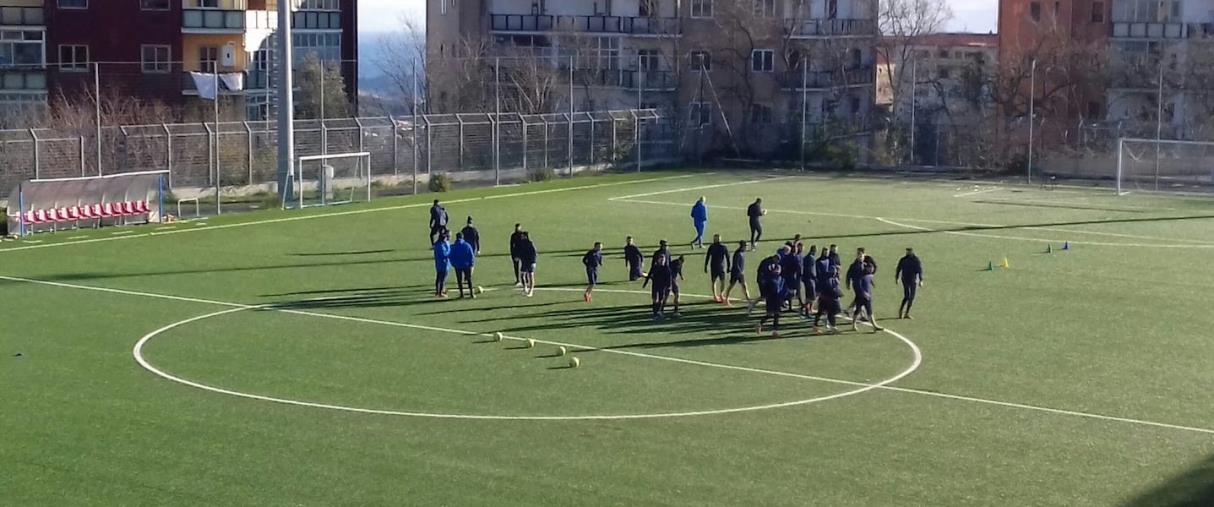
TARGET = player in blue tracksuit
x,y
592,260
864,299
835,260
771,283
699,218
661,277
825,268
463,258
633,258
790,270
828,301
442,255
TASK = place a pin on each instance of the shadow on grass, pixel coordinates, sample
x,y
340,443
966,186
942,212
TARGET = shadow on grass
x,y
1194,487
331,254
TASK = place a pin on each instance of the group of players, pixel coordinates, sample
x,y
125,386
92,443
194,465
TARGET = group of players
x,y
813,278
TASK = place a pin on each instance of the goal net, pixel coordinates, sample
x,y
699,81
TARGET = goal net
x,y
1147,164
326,180
67,203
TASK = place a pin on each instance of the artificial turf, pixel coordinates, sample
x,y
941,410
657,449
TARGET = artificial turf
x,y
1015,362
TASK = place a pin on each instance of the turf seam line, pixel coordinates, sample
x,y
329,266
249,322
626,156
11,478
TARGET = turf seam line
x,y
129,234
704,187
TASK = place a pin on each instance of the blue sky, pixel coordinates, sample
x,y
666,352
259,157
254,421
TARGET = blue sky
x,y
385,15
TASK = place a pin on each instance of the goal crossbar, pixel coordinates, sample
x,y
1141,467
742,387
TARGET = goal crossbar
x,y
298,175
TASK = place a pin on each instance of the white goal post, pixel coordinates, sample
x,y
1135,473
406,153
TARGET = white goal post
x,y
1151,164
326,180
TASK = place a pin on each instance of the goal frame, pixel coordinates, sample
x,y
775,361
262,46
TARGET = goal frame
x,y
1121,142
297,177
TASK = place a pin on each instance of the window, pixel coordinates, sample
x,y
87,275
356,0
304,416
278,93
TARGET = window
x,y
700,113
701,60
648,59
154,5
765,8
21,47
832,9
760,114
74,58
1098,12
943,73
701,8
155,58
762,60
942,54
1094,110
73,4
855,106
208,59
605,53
648,8
857,59
1035,11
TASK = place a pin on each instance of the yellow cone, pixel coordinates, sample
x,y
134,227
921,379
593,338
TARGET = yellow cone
x,y
1004,265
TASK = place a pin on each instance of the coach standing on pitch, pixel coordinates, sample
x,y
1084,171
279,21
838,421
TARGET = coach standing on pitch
x,y
463,257
472,236
438,221
699,218
910,273
516,250
755,213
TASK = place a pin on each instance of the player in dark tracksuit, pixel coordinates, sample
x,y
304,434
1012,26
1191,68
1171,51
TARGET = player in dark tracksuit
x,y
662,251
854,272
761,274
910,273
809,279
634,259
737,274
438,221
835,260
864,299
790,269
717,258
676,275
516,245
828,301
592,260
755,214
660,276
472,236
771,281
528,256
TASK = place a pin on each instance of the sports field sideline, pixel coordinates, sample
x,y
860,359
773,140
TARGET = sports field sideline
x,y
290,357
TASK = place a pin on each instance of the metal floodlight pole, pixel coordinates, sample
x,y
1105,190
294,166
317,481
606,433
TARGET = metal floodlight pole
x,y
804,104
1032,114
97,106
324,131
1120,161
414,128
286,101
218,179
1158,121
914,86
571,109
497,125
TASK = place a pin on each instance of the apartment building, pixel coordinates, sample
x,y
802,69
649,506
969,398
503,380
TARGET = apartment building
x,y
1034,29
745,70
947,75
51,49
1172,40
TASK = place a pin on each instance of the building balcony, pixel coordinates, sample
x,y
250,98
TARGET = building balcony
x,y
817,80
1148,30
22,16
26,79
585,24
814,28
649,80
212,21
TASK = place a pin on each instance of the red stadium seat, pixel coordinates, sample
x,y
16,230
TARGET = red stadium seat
x,y
97,211
29,217
128,208
52,215
86,212
73,213
141,207
64,216
40,217
107,210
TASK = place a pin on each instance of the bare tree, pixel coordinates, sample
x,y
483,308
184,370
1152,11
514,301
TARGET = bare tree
x,y
902,25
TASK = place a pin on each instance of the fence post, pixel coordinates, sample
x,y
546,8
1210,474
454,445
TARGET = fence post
x,y
37,161
395,146
126,150
591,117
429,147
210,154
361,134
636,137
526,144
82,155
615,143
460,120
249,144
546,165
168,151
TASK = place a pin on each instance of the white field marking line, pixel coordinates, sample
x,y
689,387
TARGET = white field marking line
x,y
977,192
883,386
1196,243
236,307
704,187
117,233
1041,240
351,212
138,354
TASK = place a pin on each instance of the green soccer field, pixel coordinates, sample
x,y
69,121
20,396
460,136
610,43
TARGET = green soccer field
x,y
280,358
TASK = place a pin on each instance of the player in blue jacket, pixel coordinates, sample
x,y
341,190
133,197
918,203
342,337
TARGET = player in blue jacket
x,y
699,218
463,258
442,255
